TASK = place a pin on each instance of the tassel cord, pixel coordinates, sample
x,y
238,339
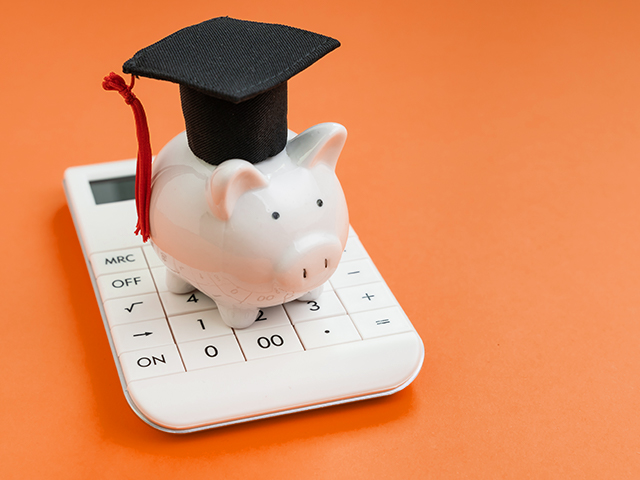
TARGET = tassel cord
x,y
115,82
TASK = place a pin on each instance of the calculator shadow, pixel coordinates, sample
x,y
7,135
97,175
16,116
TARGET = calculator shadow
x,y
120,425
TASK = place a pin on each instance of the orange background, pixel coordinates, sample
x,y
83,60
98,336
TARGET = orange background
x,y
492,172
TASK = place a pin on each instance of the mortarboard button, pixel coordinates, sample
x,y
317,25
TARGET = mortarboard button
x,y
232,75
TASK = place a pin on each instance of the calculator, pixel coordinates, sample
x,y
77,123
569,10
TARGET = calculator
x,y
182,369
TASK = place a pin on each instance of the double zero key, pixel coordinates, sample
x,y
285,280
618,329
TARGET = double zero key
x,y
266,342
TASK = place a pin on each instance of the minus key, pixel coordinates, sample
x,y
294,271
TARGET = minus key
x,y
357,272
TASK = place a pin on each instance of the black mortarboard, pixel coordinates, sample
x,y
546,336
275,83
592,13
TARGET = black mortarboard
x,y
232,75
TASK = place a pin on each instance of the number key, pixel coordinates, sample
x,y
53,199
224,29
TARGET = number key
x,y
270,317
194,326
327,305
268,341
195,301
211,352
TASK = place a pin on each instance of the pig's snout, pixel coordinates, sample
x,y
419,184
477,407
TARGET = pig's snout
x,y
309,262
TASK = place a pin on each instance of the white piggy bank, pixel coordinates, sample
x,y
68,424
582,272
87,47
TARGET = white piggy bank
x,y
251,236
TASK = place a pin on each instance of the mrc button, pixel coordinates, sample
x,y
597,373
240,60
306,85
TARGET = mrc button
x,y
118,261
125,284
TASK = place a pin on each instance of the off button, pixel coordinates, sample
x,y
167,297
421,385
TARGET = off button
x,y
125,284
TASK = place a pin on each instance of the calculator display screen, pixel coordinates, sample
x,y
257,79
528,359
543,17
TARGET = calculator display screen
x,y
114,189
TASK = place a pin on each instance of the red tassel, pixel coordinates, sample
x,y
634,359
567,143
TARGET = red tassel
x,y
113,81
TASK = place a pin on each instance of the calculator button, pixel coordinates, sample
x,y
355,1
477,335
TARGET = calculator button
x,y
140,335
377,323
269,317
152,362
159,275
366,297
211,352
199,325
153,260
357,272
327,287
195,301
327,331
268,341
133,309
327,305
125,284
166,260
117,261
353,250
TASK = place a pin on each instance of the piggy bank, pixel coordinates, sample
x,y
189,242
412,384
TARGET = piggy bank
x,y
251,236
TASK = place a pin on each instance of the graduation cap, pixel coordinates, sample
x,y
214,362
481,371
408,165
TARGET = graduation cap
x,y
232,76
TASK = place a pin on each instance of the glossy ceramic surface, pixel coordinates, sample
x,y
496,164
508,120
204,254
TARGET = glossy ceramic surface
x,y
251,236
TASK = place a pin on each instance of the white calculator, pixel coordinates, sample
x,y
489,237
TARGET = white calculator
x,y
182,369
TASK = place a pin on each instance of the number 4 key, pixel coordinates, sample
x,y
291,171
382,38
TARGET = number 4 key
x,y
189,302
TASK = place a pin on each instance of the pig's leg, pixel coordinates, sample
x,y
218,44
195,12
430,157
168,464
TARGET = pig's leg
x,y
176,284
238,317
312,295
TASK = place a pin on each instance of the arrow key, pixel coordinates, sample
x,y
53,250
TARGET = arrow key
x,y
139,335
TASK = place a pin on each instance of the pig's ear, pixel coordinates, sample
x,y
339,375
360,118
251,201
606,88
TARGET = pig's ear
x,y
228,182
321,143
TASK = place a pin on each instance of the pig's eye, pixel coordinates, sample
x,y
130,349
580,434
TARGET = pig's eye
x,y
275,215
319,202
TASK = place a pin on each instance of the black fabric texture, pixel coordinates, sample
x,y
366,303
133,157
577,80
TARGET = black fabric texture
x,y
253,130
231,59
232,75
